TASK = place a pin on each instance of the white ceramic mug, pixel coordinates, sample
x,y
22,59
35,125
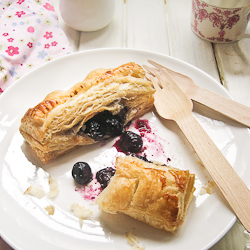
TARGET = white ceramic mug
x,y
87,15
220,24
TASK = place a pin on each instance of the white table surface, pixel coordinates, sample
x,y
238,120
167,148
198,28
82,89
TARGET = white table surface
x,y
163,26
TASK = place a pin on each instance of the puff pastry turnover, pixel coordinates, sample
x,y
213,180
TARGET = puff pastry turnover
x,y
66,119
156,195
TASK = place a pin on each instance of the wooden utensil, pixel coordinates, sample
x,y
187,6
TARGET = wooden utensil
x,y
219,103
173,104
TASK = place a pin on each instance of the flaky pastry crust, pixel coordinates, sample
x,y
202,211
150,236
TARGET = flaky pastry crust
x,y
156,195
52,127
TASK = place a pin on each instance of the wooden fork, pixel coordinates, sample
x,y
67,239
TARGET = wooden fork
x,y
225,106
173,104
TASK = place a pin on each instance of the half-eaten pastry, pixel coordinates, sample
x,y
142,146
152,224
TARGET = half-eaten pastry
x,y
98,107
154,194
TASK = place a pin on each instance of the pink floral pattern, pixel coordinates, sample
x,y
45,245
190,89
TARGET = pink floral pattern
x,y
12,51
48,35
48,7
20,13
224,19
29,36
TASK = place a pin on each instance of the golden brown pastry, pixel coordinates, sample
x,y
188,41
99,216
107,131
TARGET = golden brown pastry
x,y
66,119
154,194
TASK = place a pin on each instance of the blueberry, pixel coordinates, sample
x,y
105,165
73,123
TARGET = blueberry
x,y
103,176
114,126
94,129
94,126
105,124
131,142
81,173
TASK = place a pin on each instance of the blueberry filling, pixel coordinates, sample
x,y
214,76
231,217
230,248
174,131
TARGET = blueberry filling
x,y
104,175
141,157
105,124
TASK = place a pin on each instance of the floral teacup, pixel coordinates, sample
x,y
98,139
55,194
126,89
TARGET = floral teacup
x,y
217,24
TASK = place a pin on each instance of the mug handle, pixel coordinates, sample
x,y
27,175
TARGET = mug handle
x,y
248,19
245,36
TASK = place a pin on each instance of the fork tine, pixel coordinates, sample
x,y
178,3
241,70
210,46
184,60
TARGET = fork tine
x,y
169,78
149,76
155,74
151,70
165,81
160,69
155,81
155,64
164,70
163,75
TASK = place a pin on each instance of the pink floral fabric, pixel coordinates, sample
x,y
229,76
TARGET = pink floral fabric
x,y
29,36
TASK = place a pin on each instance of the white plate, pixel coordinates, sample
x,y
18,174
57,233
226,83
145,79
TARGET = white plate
x,y
25,224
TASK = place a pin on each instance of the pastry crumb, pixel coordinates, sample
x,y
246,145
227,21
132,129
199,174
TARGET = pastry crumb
x,y
210,187
81,212
134,241
207,188
53,185
36,191
50,209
